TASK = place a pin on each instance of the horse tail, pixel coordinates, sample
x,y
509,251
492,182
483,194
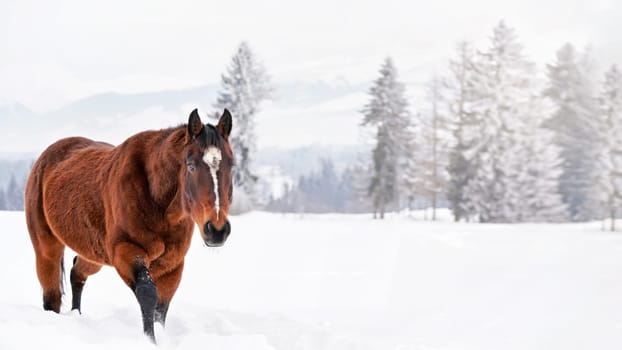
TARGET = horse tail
x,y
62,274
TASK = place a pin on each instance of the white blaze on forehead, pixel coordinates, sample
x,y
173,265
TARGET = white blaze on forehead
x,y
212,158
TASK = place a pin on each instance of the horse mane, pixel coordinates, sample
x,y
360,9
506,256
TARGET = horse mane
x,y
209,136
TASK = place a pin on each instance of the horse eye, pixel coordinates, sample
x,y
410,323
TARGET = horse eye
x,y
191,167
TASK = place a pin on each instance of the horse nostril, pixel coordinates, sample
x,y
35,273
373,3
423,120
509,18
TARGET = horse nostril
x,y
214,237
210,228
227,227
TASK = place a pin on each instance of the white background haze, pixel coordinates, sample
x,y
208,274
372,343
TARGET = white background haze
x,y
55,52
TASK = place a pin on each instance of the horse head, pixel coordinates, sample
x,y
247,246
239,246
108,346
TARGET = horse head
x,y
206,178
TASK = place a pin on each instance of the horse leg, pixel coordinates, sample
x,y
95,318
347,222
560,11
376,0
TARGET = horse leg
x,y
49,261
48,254
147,296
167,285
133,267
80,271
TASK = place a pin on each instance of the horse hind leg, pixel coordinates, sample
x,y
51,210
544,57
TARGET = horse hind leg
x,y
49,250
50,269
80,271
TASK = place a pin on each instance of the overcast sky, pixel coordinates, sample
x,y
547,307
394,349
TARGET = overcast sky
x,y
53,52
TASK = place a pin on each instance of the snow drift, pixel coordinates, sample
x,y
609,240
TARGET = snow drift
x,y
345,282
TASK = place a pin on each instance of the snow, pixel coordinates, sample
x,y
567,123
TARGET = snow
x,y
346,282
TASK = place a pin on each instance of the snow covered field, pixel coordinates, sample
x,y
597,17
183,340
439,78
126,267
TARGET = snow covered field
x,y
345,282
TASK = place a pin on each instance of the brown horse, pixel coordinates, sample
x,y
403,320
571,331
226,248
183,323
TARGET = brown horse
x,y
131,207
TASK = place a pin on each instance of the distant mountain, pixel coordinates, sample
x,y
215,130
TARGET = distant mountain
x,y
116,103
12,114
297,115
107,116
15,109
313,93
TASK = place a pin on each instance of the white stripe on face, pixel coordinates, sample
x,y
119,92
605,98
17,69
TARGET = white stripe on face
x,y
212,158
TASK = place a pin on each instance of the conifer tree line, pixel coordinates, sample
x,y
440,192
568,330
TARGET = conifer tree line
x,y
497,140
323,191
12,197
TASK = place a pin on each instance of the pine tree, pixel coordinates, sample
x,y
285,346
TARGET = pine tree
x,y
427,175
506,149
609,161
492,144
538,188
357,179
571,89
387,112
348,196
14,195
460,87
243,87
3,205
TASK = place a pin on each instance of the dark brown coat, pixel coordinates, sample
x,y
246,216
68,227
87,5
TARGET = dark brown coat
x,y
132,207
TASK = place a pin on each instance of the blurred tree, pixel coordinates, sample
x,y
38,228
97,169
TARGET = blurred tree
x,y
609,161
318,192
461,98
387,112
3,201
243,87
427,169
14,195
571,89
515,164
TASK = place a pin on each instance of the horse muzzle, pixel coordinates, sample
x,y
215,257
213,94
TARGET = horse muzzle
x,y
214,237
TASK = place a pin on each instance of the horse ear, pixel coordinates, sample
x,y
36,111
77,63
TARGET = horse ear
x,y
195,126
224,124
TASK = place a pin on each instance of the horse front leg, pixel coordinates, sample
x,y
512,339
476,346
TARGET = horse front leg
x,y
147,296
167,286
132,264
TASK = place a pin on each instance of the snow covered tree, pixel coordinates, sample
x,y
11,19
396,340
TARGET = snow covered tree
x,y
243,87
503,142
356,179
609,161
500,71
14,195
571,89
461,97
3,205
538,187
427,171
387,112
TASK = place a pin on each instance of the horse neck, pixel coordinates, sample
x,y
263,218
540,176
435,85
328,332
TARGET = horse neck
x,y
163,169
